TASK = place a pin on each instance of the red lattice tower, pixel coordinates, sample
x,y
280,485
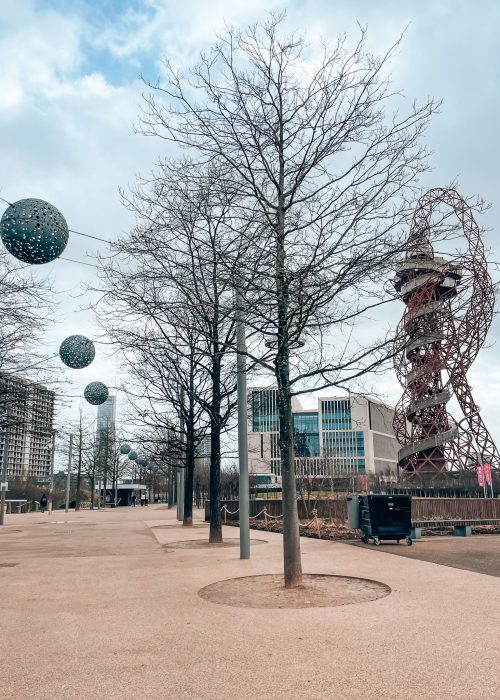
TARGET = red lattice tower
x,y
449,308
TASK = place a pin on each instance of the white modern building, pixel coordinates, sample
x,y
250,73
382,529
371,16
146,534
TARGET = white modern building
x,y
343,435
27,416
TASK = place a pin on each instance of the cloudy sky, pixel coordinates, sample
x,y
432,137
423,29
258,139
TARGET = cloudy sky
x,y
70,89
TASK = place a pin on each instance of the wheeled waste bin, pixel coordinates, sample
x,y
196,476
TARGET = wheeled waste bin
x,y
385,518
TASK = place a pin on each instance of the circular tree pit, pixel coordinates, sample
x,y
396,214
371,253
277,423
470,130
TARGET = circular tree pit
x,y
317,591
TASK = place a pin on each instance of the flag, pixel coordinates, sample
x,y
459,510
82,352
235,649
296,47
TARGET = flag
x,y
487,473
480,474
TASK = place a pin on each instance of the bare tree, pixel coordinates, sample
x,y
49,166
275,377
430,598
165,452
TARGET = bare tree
x,y
184,284
327,164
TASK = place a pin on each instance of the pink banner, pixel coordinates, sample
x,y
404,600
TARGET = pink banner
x,y
487,473
480,474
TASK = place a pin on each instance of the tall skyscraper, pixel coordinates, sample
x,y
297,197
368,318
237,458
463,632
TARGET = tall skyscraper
x,y
27,417
106,415
106,436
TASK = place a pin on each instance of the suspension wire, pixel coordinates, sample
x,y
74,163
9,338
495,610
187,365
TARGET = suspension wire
x,y
87,235
79,262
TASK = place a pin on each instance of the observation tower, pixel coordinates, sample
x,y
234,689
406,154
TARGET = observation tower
x,y
448,310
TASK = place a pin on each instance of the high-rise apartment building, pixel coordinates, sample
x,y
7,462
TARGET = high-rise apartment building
x,y
343,435
27,417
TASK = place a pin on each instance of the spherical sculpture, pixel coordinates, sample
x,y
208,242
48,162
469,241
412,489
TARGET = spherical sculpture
x,y
125,449
96,393
77,351
142,461
34,231
132,455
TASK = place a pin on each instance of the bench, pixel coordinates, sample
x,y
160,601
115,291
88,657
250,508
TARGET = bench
x,y
461,528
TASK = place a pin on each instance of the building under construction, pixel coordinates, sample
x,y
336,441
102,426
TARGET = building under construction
x,y
448,310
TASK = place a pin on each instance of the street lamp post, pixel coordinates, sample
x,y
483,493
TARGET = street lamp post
x,y
4,475
52,457
242,429
68,479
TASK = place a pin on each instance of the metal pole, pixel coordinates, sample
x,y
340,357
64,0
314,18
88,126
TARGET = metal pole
x,y
99,494
4,474
68,479
244,494
52,458
117,460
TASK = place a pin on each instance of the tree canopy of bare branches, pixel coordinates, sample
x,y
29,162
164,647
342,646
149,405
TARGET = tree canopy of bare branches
x,y
326,155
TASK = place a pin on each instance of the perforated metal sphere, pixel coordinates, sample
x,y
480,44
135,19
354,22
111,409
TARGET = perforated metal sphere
x,y
96,393
132,455
34,231
77,351
142,461
125,449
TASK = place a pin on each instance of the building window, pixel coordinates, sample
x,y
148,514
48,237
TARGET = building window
x,y
306,433
344,443
264,411
336,414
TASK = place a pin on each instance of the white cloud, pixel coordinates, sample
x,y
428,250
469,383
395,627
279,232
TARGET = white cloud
x,y
66,123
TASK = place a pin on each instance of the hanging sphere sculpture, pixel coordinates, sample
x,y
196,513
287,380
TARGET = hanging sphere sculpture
x,y
125,449
34,231
142,461
132,455
77,351
96,393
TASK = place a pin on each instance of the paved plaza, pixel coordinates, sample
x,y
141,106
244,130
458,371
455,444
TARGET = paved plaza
x,y
93,605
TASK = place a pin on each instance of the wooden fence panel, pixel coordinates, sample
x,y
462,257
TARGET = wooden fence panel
x,y
423,509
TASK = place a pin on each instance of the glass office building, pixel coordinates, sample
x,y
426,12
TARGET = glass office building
x,y
344,435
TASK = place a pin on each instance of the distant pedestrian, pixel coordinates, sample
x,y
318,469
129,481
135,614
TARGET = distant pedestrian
x,y
146,501
143,499
133,499
43,503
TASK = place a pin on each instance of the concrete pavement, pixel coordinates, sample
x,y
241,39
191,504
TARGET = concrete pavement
x,y
95,607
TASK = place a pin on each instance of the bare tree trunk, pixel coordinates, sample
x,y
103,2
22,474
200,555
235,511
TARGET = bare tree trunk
x,y
215,488
188,485
215,460
291,537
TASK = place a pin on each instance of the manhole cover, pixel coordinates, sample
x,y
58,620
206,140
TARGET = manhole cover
x,y
317,591
204,544
8,564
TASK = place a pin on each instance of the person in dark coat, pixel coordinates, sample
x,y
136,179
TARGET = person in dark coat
x,y
133,499
43,503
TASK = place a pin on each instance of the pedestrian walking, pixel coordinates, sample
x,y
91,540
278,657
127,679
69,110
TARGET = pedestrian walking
x,y
143,498
133,499
43,503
